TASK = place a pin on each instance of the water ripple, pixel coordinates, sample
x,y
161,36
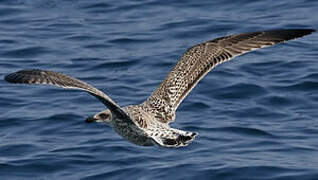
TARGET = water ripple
x,y
256,115
26,52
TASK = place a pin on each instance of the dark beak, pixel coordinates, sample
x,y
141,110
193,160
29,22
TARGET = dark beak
x,y
90,119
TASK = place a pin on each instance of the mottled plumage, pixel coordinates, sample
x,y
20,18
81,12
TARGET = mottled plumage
x,y
148,123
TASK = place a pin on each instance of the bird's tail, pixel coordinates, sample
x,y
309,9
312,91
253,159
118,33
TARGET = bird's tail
x,y
177,138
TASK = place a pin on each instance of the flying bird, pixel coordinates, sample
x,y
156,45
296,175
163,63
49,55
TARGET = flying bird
x,y
148,123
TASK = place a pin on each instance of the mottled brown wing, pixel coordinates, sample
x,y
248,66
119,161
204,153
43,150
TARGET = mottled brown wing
x,y
36,76
198,60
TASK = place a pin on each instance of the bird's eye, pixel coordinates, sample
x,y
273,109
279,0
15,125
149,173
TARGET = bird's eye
x,y
104,116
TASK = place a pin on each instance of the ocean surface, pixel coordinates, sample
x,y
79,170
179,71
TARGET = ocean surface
x,y
257,116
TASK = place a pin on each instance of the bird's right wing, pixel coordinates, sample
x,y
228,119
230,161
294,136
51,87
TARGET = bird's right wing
x,y
36,76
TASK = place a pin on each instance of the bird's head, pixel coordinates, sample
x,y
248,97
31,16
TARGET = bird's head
x,y
103,116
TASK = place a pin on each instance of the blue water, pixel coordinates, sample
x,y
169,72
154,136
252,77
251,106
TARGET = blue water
x,y
256,116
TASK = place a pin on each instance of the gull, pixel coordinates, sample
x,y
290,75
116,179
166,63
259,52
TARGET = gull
x,y
147,123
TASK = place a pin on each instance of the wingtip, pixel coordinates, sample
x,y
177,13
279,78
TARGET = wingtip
x,y
13,77
303,32
312,30
289,34
307,31
9,78
18,77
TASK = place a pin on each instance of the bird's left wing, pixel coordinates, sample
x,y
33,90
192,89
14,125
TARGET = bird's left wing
x,y
198,60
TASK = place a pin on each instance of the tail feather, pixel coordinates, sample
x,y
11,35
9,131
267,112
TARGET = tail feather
x,y
180,139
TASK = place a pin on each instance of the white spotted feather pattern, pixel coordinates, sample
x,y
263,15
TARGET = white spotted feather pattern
x,y
148,123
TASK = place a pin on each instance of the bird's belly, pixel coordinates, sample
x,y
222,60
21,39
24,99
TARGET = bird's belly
x,y
132,133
